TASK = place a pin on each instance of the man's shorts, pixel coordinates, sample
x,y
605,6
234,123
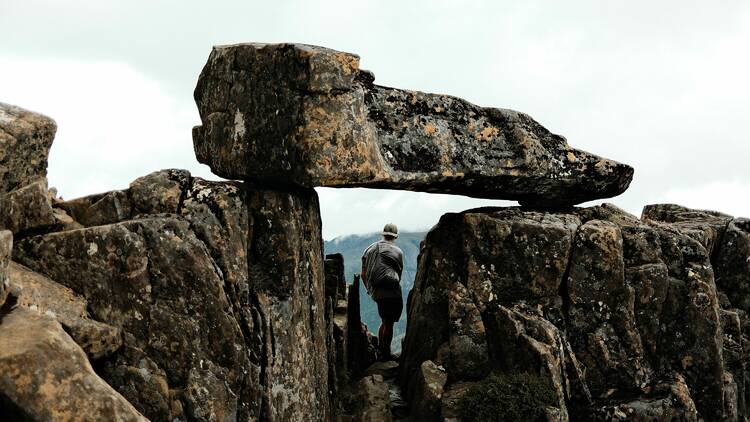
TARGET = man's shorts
x,y
390,308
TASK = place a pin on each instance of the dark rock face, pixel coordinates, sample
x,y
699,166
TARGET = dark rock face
x,y
218,290
622,315
372,399
25,140
427,391
46,376
283,114
6,245
27,208
361,351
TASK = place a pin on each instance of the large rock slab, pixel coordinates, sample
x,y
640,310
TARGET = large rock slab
x,y
218,289
470,260
622,315
47,377
153,279
285,114
25,140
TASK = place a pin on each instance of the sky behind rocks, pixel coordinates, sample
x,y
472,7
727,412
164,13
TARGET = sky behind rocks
x,y
662,86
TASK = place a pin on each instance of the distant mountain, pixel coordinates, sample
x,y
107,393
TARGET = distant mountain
x,y
351,247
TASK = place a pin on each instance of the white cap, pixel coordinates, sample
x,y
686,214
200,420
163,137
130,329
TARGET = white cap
x,y
390,229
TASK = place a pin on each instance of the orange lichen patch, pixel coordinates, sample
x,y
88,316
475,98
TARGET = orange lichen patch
x,y
601,164
439,109
349,62
572,157
488,133
430,129
452,174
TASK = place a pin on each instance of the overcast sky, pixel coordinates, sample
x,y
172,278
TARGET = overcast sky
x,y
662,86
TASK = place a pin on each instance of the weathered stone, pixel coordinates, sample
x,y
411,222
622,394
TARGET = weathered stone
x,y
426,392
37,292
284,114
601,314
609,302
667,401
26,208
335,279
676,304
227,287
732,263
336,328
6,246
285,259
387,369
470,260
207,398
46,376
100,209
153,279
361,353
64,221
159,192
373,400
25,140
451,397
734,354
705,226
521,340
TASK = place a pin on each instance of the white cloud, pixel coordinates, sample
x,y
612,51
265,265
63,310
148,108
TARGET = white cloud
x,y
728,197
661,86
114,123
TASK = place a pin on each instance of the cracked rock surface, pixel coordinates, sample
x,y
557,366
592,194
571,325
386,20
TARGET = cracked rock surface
x,y
293,114
628,318
218,291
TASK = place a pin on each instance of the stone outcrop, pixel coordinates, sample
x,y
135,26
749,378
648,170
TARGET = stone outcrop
x,y
27,208
282,114
372,400
218,290
361,347
25,140
426,392
35,291
621,315
45,376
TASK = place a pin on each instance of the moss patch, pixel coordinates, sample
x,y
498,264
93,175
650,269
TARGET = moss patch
x,y
517,397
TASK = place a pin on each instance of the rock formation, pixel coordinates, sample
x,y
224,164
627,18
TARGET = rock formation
x,y
281,114
622,315
181,299
25,140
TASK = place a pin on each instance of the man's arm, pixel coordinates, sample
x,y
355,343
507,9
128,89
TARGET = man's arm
x,y
362,274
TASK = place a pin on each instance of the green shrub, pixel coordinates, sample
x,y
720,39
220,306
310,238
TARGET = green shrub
x,y
498,398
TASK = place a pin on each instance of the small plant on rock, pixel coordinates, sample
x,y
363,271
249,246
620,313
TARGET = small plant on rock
x,y
500,397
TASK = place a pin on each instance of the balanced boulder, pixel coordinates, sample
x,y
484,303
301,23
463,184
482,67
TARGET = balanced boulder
x,y
282,114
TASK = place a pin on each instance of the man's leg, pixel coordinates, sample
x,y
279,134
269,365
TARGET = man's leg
x,y
387,336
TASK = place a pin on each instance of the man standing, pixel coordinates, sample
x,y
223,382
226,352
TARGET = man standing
x,y
382,264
